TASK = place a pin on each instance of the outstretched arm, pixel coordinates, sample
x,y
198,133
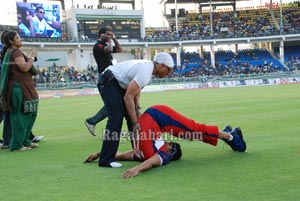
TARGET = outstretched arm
x,y
121,156
124,156
152,162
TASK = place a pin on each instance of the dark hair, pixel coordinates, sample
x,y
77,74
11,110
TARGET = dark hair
x,y
175,152
5,38
39,8
2,36
103,30
22,11
2,53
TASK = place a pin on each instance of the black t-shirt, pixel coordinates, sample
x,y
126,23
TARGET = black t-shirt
x,y
103,59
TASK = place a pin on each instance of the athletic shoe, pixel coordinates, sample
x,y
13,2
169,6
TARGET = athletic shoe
x,y
112,164
90,127
4,146
115,165
227,129
37,138
238,143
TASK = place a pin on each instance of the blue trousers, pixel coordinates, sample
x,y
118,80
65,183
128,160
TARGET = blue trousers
x,y
6,129
99,116
113,97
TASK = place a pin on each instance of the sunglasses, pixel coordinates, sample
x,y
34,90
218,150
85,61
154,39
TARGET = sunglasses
x,y
42,12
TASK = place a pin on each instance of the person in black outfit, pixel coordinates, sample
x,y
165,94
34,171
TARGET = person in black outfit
x,y
102,52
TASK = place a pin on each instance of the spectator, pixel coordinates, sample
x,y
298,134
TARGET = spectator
x,y
18,93
25,23
41,27
6,119
53,20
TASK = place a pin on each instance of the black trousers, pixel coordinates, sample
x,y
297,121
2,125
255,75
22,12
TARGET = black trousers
x,y
113,97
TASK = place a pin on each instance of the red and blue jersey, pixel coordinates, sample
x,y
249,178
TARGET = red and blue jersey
x,y
160,119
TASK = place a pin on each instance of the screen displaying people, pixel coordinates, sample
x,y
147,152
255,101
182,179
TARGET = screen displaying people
x,y
41,20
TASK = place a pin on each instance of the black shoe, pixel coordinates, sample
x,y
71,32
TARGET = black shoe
x,y
90,127
227,129
238,143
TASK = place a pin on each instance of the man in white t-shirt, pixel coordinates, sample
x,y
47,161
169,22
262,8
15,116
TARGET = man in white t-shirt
x,y
120,86
40,26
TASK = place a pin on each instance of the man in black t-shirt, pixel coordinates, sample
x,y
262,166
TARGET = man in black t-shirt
x,y
102,52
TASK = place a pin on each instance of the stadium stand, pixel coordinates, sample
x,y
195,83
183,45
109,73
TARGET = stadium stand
x,y
227,23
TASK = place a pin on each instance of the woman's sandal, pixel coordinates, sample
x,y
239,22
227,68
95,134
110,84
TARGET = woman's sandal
x,y
24,148
34,145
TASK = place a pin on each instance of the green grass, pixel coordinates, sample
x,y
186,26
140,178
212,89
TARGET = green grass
x,y
268,115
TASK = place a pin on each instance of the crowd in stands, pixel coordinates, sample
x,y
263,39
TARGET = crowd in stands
x,y
246,62
244,22
61,74
263,21
291,57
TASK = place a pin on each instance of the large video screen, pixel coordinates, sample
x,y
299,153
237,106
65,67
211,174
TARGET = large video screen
x,y
122,28
39,20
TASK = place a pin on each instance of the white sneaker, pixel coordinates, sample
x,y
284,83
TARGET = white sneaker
x,y
115,165
38,138
90,127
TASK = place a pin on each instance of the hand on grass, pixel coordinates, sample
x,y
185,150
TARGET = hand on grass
x,y
130,173
92,157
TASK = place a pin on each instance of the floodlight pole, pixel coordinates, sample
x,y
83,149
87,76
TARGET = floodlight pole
x,y
176,20
211,20
281,28
178,47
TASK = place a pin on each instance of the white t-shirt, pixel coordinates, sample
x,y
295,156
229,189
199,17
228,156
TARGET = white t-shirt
x,y
40,26
138,70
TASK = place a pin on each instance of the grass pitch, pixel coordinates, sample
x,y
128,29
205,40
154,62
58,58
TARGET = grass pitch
x,y
269,170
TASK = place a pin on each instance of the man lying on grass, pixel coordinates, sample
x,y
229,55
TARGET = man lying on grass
x,y
153,151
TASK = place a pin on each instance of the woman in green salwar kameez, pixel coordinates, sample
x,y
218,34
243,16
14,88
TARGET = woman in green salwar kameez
x,y
17,91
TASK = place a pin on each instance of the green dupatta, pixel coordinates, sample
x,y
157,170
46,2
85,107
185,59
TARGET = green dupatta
x,y
3,79
29,105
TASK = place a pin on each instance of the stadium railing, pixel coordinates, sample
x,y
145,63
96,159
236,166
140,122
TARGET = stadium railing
x,y
173,80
